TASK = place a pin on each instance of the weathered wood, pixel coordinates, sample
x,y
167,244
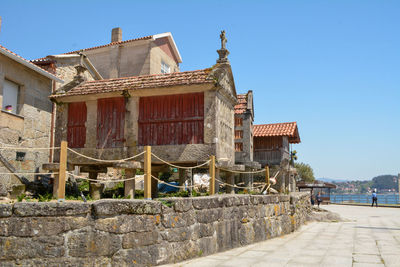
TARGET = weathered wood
x,y
147,172
128,165
212,175
62,173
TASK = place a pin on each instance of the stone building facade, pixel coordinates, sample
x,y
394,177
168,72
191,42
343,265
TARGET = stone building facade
x,y
152,54
25,117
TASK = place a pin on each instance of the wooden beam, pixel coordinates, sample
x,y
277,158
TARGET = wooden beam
x,y
212,175
147,172
62,172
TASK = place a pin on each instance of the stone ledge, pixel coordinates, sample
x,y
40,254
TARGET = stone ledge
x,y
110,207
36,209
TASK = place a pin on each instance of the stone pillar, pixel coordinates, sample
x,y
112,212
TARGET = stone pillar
x,y
248,179
129,186
95,188
154,185
185,175
217,176
230,179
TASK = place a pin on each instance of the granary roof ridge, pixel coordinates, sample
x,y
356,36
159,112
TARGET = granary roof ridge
x,y
278,129
29,64
140,82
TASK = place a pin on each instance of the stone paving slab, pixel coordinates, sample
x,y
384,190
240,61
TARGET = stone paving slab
x,y
368,237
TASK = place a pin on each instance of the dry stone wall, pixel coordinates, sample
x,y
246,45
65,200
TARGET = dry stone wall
x,y
142,232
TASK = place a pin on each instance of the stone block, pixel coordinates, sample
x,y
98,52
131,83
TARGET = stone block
x,y
139,239
174,220
13,248
40,226
127,223
182,205
144,256
184,250
246,234
209,202
177,234
89,243
208,216
5,210
17,190
207,246
116,207
25,209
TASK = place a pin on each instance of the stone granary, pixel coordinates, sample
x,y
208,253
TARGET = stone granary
x,y
244,117
25,119
152,54
184,116
272,147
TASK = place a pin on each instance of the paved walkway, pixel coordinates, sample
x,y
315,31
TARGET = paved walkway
x,y
371,237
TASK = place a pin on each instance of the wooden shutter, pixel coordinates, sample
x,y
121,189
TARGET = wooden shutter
x,y
76,133
171,119
110,122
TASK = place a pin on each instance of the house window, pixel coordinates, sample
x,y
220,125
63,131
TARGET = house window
x,y
165,68
10,96
238,121
238,147
238,134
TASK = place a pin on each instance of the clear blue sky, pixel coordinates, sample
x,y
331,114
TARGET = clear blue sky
x,y
332,66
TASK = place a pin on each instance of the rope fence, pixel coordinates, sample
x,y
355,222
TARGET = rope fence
x,y
63,174
105,160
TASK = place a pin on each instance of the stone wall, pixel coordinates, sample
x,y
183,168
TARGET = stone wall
x,y
142,232
30,127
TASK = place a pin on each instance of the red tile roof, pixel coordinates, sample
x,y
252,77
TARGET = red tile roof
x,y
29,64
140,82
241,106
96,47
288,129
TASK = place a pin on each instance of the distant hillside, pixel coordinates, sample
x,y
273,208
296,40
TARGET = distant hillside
x,y
383,183
329,180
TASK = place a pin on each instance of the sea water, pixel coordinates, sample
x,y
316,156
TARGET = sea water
x,y
365,198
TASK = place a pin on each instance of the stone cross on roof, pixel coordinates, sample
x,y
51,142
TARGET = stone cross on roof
x,y
223,52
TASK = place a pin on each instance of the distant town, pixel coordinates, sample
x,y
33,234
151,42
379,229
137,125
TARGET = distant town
x,y
383,184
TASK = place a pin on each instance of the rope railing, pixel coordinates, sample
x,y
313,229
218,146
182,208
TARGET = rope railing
x,y
242,172
180,167
26,148
241,187
28,173
106,160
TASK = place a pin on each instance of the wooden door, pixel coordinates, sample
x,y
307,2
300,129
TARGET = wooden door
x,y
110,122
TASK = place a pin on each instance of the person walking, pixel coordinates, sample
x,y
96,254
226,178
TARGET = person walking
x,y
319,199
374,199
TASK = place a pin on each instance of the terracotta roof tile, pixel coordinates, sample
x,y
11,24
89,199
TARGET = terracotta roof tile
x,y
34,66
278,129
140,82
100,46
241,106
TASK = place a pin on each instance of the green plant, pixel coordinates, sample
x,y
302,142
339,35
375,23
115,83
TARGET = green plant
x,y
21,197
45,198
84,185
166,203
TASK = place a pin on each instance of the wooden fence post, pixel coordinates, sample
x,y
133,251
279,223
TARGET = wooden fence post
x,y
62,172
267,178
147,172
212,175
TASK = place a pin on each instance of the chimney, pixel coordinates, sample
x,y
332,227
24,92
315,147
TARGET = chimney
x,y
116,35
